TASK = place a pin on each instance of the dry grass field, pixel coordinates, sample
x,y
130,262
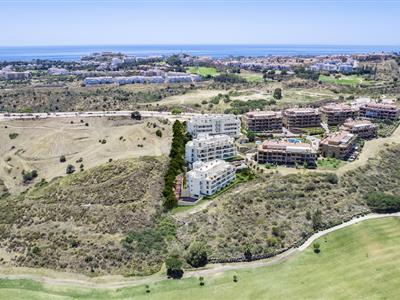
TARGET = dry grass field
x,y
39,144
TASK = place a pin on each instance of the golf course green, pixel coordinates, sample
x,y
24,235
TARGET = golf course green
x,y
361,261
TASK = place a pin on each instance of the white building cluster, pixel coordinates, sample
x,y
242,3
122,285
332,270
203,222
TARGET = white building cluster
x,y
206,178
206,148
213,142
121,80
214,124
335,66
8,73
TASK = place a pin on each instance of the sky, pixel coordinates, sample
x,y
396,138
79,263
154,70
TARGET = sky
x,y
132,22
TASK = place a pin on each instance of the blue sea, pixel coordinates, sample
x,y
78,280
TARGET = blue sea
x,y
71,53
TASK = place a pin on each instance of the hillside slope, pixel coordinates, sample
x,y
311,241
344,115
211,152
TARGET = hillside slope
x,y
270,214
76,223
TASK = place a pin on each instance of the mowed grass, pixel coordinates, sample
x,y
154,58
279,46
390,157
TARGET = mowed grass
x,y
252,76
343,79
358,262
203,71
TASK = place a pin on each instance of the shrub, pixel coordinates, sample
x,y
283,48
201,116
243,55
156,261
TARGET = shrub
x,y
332,178
277,94
70,169
383,202
176,111
317,220
62,158
197,255
235,278
29,176
159,133
13,136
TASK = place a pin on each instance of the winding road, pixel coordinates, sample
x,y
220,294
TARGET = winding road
x,y
114,282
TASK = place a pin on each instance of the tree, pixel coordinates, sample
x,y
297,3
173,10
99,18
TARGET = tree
x,y
197,255
235,278
159,133
201,281
62,158
247,254
251,136
136,115
316,248
278,94
70,169
174,266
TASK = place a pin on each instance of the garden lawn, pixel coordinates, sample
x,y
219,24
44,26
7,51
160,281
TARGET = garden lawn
x,y
203,71
344,79
358,262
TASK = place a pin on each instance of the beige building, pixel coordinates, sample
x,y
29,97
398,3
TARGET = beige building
x,y
335,114
301,117
338,145
362,128
381,111
263,121
286,153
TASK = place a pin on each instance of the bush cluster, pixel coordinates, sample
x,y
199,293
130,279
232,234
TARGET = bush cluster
x,y
383,202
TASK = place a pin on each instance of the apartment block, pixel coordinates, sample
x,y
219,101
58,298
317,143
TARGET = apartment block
x,y
206,178
214,124
362,128
209,147
301,117
263,121
381,111
338,145
335,114
286,153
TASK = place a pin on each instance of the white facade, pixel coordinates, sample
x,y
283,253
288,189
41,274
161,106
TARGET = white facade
x,y
206,178
214,124
206,147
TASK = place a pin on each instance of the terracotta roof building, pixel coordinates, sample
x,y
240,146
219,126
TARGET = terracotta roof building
x,y
263,121
335,114
286,153
338,145
301,117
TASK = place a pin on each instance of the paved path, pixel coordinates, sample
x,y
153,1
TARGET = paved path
x,y
87,114
114,282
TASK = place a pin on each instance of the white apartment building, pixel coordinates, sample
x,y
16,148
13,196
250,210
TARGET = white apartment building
x,y
209,147
206,178
214,124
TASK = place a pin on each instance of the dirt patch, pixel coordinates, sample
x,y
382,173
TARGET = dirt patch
x,y
90,142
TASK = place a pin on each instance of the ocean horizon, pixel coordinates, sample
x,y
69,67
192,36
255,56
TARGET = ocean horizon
x,y
73,53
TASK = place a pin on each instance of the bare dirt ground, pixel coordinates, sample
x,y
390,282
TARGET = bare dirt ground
x,y
40,144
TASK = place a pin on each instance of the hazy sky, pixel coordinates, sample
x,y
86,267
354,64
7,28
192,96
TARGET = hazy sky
x,y
76,22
